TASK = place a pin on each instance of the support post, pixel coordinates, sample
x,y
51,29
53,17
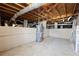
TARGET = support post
x,y
39,32
55,25
25,23
46,31
76,34
61,26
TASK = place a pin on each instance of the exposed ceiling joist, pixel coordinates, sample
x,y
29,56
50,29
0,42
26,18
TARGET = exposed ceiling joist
x,y
47,13
52,7
65,9
32,14
36,14
40,14
74,8
49,10
58,12
27,9
11,6
7,9
20,5
43,14
67,16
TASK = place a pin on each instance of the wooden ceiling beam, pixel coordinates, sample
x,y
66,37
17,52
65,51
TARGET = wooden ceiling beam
x,y
33,15
45,9
67,16
58,12
7,9
20,5
38,13
28,3
50,13
47,15
65,9
51,7
74,8
11,6
42,14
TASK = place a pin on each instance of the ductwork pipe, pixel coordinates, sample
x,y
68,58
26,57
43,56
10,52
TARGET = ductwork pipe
x,y
27,9
69,18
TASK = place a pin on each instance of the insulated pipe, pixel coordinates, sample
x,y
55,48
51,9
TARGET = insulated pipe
x,y
27,9
69,18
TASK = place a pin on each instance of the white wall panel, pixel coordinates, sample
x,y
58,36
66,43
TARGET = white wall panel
x,y
61,33
13,36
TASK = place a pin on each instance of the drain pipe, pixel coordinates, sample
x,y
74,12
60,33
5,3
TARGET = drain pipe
x,y
27,9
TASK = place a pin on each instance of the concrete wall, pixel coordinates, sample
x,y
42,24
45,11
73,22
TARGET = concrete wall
x,y
13,36
61,33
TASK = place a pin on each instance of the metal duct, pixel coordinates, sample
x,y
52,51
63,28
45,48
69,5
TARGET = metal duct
x,y
27,9
69,18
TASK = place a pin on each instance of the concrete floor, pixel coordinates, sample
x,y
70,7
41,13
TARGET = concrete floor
x,y
48,47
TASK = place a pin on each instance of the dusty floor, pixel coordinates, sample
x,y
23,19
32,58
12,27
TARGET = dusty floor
x,y
48,47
